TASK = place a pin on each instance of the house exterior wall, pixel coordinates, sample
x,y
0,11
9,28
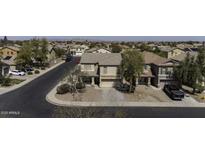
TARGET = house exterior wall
x,y
4,70
87,67
163,75
108,70
78,51
109,76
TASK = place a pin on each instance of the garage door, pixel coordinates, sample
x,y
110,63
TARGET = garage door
x,y
108,83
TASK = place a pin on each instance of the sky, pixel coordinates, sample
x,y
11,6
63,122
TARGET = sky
x,y
113,38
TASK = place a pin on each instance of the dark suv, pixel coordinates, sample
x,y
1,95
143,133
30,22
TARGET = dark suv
x,y
68,58
173,92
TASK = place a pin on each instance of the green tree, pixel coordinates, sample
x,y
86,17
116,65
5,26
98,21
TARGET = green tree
x,y
200,60
132,66
194,74
5,41
39,50
59,52
181,71
25,55
190,71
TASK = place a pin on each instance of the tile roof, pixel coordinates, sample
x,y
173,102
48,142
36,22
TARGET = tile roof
x,y
182,56
150,57
101,58
15,48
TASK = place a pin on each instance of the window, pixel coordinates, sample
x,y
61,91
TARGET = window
x,y
104,70
145,67
88,67
169,70
163,71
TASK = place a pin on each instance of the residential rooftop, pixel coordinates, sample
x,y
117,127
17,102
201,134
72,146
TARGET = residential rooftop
x,y
150,57
101,58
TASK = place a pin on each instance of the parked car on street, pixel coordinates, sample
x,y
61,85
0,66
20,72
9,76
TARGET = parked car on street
x,y
125,88
174,92
68,58
17,73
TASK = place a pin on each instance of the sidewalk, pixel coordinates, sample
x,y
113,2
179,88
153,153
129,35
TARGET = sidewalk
x,y
28,79
186,103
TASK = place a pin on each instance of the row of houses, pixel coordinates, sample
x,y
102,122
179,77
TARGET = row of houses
x,y
8,56
102,69
171,52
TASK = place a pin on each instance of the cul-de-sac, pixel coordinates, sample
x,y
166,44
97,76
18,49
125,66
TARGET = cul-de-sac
x,y
75,77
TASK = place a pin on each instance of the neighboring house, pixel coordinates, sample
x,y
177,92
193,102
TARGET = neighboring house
x,y
77,50
4,69
175,52
182,46
101,69
9,51
9,54
152,46
63,46
171,52
95,50
182,56
157,70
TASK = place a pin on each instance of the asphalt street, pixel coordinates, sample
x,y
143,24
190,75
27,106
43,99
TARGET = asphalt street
x,y
29,101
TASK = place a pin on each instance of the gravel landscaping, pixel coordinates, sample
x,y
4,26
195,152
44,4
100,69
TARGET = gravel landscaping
x,y
92,94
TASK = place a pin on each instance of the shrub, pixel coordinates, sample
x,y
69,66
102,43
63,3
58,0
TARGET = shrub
x,y
30,73
36,71
64,88
80,85
6,82
199,88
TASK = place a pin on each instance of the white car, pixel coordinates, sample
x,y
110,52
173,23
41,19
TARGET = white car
x,y
17,73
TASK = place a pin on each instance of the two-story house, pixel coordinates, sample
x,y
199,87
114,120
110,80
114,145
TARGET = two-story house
x,y
171,52
77,50
9,51
101,69
8,55
157,70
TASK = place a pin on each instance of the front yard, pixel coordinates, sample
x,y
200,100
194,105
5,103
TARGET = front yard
x,y
94,94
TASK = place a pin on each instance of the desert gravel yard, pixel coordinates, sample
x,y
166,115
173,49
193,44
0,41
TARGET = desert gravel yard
x,y
142,94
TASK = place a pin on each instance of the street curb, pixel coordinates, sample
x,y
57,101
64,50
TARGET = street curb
x,y
28,81
53,100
